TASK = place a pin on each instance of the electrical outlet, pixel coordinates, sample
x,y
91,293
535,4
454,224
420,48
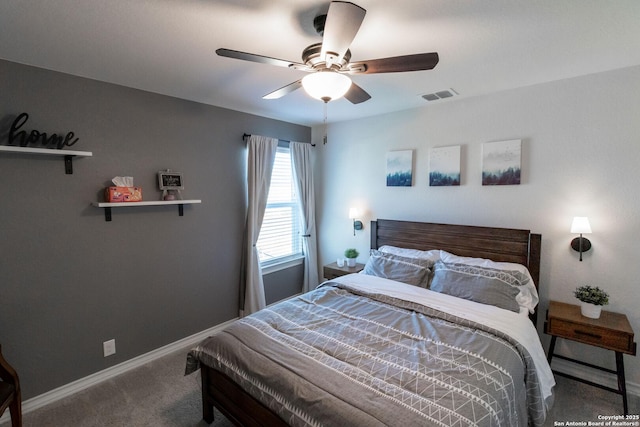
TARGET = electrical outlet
x,y
109,347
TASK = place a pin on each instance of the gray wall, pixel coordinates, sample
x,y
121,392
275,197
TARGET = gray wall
x,y
283,283
68,279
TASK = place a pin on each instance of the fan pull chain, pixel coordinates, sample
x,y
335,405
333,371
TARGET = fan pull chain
x,y
324,139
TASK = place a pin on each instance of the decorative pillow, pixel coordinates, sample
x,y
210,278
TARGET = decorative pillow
x,y
411,271
479,284
432,255
528,295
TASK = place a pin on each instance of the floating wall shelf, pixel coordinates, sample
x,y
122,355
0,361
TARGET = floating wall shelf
x,y
107,206
68,154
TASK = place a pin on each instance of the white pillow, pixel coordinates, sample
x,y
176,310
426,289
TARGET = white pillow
x,y
528,296
432,255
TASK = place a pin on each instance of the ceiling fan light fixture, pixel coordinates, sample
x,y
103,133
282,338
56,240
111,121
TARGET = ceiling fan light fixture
x,y
326,85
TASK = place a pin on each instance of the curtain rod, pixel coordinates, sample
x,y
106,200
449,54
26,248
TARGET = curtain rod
x,y
247,135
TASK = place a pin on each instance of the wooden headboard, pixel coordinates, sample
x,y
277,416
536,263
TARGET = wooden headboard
x,y
498,244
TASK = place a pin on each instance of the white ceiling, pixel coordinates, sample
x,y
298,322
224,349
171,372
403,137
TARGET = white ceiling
x,y
168,46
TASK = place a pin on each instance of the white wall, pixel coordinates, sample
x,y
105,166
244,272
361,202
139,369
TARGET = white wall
x,y
580,157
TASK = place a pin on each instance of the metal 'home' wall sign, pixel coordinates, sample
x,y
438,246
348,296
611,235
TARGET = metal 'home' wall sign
x,y
35,138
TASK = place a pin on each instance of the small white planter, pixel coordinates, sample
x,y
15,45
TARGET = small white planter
x,y
351,262
589,310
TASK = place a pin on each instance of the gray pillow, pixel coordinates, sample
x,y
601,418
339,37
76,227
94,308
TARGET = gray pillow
x,y
479,284
411,271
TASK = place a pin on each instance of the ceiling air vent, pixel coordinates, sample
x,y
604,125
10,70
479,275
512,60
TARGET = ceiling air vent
x,y
440,95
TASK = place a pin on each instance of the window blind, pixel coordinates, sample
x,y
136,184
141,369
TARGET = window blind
x,y
280,237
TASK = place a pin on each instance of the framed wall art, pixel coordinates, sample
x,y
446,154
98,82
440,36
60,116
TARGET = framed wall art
x,y
501,162
400,168
444,166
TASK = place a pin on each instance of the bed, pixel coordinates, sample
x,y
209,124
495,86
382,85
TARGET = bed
x,y
378,349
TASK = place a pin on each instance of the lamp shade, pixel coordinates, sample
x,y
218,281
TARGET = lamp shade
x,y
580,225
353,213
326,85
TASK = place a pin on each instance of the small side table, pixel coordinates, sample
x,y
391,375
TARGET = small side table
x,y
611,331
331,271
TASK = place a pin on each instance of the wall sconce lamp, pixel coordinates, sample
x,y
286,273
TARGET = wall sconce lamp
x,y
357,224
580,225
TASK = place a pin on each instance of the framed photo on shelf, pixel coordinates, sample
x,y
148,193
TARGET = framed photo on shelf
x,y
168,180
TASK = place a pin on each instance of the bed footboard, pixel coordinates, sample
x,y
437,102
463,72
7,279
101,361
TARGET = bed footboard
x,y
234,403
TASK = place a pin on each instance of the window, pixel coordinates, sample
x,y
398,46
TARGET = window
x,y
280,239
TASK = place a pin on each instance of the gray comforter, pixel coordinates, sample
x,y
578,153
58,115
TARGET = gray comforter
x,y
337,356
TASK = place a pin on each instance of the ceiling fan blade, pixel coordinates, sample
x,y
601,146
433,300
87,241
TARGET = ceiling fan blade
x,y
279,93
396,64
356,94
259,58
342,25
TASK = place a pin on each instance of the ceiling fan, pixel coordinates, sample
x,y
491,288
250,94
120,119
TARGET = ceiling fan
x,y
329,62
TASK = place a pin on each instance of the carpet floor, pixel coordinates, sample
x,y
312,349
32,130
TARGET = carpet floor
x,y
159,395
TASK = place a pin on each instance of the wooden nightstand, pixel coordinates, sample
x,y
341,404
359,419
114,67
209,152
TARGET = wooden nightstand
x,y
611,331
331,271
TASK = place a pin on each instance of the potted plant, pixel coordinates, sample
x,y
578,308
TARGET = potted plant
x,y
351,255
592,299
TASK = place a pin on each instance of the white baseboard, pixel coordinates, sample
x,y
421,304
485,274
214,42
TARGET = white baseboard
x,y
91,380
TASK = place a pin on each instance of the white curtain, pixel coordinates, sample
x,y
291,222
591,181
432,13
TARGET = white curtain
x,y
301,160
261,155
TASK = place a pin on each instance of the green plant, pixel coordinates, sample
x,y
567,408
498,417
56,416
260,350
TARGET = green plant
x,y
592,295
351,253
